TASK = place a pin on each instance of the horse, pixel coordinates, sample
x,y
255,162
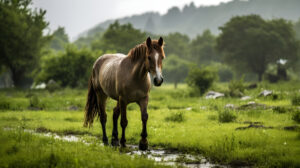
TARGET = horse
x,y
125,79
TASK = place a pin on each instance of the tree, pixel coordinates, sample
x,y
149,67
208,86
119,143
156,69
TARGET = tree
x,y
21,38
119,38
70,68
250,43
177,43
59,39
175,69
202,48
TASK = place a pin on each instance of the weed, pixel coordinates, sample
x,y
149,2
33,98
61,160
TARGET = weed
x,y
4,105
176,117
227,116
296,116
296,100
236,87
280,109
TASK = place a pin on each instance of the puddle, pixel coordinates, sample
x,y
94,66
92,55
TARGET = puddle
x,y
161,156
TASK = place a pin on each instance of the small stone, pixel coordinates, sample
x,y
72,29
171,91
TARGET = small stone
x,y
214,95
266,93
73,108
230,106
246,98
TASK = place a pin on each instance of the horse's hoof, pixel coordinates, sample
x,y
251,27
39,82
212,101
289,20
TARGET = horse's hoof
x,y
105,141
115,142
123,143
143,145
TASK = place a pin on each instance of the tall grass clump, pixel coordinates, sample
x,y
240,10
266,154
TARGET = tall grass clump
x,y
227,116
296,116
296,100
176,117
4,104
236,87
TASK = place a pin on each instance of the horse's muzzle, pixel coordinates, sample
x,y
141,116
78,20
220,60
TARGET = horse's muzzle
x,y
158,82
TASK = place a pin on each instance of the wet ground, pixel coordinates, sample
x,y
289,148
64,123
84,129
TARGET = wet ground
x,y
160,155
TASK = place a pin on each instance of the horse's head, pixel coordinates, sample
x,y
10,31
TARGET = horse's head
x,y
155,55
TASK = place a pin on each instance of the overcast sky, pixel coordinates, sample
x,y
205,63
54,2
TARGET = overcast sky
x,y
79,15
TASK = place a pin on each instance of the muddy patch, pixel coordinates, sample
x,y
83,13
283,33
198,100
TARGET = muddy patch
x,y
159,155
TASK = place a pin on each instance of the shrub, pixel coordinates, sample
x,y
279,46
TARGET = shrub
x,y
236,87
279,109
34,102
70,68
227,116
4,105
296,100
201,79
296,116
175,117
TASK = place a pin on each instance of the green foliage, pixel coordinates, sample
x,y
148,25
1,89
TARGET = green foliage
x,y
296,116
226,116
202,48
175,69
59,39
201,79
296,100
236,87
119,38
34,102
250,43
4,104
70,68
175,117
21,38
177,44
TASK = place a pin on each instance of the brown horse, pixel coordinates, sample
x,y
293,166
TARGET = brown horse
x,y
125,79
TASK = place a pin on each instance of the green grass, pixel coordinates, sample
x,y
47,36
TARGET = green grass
x,y
176,121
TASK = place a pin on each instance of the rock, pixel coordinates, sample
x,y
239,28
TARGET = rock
x,y
252,105
230,106
39,86
246,97
214,95
252,86
73,108
265,93
188,109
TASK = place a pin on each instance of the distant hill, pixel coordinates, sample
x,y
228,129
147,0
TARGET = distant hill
x,y
192,20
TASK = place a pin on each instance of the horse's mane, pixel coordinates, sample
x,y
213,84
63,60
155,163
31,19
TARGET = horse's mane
x,y
138,52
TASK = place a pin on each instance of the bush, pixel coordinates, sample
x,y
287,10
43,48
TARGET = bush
x,y
201,79
236,87
296,100
175,117
4,105
227,116
34,103
296,116
71,68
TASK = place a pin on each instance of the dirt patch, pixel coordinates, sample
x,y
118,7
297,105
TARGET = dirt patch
x,y
254,126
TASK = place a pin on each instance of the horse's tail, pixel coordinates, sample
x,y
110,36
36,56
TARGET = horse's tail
x,y
91,107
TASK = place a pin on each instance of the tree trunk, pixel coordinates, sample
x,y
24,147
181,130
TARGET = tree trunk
x,y
260,77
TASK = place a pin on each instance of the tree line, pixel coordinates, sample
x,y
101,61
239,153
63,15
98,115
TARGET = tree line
x,y
246,45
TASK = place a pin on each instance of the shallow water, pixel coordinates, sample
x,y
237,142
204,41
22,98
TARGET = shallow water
x,y
161,156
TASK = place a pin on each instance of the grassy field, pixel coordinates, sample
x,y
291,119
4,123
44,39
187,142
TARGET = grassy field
x,y
177,121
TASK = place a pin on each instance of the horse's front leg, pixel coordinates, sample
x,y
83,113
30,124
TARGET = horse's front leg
x,y
143,145
124,121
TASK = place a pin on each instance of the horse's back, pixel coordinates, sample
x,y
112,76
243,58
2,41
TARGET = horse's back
x,y
105,73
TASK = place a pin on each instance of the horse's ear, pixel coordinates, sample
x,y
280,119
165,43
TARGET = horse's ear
x,y
149,42
161,41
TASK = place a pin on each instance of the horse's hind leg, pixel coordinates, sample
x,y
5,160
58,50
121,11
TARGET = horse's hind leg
x,y
101,99
115,139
